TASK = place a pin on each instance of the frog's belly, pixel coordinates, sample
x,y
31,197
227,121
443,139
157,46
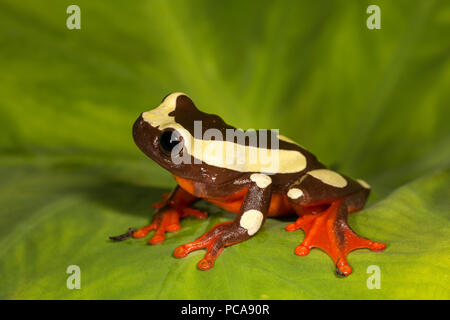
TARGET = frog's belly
x,y
279,204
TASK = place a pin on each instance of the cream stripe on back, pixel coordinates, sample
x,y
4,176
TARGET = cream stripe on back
x,y
329,177
226,154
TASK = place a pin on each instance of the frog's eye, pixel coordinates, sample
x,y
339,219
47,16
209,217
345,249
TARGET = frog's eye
x,y
169,139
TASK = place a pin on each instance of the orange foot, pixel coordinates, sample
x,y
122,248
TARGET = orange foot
x,y
167,219
330,232
214,241
160,204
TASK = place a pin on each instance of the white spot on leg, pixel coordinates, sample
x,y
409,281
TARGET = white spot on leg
x,y
363,183
251,220
329,177
261,180
295,193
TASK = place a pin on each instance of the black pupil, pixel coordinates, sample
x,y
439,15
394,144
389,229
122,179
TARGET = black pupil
x,y
169,140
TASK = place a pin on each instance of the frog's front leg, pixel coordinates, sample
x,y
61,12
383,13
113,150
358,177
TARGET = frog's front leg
x,y
174,206
249,220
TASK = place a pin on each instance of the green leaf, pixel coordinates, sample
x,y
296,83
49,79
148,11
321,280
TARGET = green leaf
x,y
371,103
67,223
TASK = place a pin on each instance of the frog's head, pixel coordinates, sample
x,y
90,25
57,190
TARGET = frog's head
x,y
166,135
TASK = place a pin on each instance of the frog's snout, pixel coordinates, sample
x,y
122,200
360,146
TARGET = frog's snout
x,y
138,124
141,134
146,137
138,128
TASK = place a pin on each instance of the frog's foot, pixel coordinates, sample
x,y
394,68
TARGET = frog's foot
x,y
167,220
330,232
214,241
160,204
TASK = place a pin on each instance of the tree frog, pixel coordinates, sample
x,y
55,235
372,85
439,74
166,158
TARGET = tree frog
x,y
282,179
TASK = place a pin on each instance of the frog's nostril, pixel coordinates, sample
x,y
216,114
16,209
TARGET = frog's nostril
x,y
139,122
137,126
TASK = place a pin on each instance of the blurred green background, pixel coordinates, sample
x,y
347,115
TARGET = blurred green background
x,y
372,103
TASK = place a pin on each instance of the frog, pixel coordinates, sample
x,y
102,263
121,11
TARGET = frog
x,y
177,136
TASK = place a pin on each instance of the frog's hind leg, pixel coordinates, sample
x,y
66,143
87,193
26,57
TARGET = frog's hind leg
x,y
326,227
169,211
